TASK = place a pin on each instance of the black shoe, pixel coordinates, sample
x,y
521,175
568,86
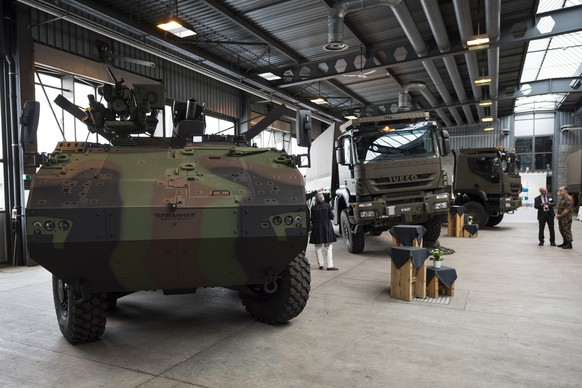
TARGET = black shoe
x,y
553,244
562,244
321,267
332,269
567,246
541,243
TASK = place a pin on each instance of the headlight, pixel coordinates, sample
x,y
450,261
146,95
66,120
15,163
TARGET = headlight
x,y
442,196
367,213
288,220
277,220
441,205
365,204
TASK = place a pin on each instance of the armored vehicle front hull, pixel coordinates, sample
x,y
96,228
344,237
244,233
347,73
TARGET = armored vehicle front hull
x,y
122,219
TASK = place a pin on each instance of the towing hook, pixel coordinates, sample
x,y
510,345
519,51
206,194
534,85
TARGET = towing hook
x,y
270,286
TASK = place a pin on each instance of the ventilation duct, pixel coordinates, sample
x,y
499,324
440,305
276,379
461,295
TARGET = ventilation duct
x,y
335,20
405,104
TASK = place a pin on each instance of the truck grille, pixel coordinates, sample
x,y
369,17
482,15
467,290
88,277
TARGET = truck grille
x,y
398,183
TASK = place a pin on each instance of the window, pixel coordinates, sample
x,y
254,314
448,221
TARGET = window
x,y
534,153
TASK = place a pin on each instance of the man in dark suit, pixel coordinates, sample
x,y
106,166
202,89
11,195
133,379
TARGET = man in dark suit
x,y
545,205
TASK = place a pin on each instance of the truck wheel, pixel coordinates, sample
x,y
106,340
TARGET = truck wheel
x,y
354,241
475,209
433,229
81,317
287,301
494,220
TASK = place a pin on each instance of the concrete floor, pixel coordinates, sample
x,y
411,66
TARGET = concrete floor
x,y
515,320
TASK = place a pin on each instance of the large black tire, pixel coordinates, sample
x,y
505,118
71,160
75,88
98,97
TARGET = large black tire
x,y
475,209
81,316
290,298
433,230
354,241
494,220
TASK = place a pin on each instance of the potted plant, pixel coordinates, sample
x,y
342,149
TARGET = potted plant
x,y
436,256
470,220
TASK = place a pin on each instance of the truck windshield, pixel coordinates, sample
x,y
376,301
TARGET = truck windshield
x,y
406,143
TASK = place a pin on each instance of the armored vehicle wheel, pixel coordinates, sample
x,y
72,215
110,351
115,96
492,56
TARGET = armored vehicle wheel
x,y
475,209
289,298
81,315
354,241
494,220
433,229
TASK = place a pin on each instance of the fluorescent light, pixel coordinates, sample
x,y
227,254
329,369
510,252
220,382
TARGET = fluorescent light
x,y
319,100
350,117
177,27
478,42
487,119
488,128
485,103
483,81
269,76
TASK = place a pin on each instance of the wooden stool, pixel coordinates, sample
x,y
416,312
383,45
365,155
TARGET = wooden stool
x,y
456,221
407,235
440,281
470,231
408,272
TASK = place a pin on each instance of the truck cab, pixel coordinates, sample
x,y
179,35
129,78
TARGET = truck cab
x,y
487,183
389,172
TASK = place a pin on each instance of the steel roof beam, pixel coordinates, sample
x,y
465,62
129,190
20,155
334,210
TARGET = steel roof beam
x,y
566,20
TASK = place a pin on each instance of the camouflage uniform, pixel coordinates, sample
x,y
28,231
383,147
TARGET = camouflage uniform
x,y
565,222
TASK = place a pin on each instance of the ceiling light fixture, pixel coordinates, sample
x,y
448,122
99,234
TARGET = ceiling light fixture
x,y
478,42
269,76
488,128
487,119
485,103
482,81
175,25
350,117
319,100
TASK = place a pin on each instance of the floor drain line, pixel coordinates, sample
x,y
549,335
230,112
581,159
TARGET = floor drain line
x,y
439,300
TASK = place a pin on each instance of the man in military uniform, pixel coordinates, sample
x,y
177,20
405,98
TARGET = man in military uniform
x,y
564,216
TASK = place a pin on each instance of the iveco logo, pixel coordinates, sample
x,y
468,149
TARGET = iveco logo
x,y
403,178
174,216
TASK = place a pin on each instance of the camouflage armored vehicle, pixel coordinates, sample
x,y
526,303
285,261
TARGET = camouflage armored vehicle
x,y
171,214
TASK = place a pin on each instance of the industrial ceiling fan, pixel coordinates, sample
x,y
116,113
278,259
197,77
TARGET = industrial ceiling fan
x,y
362,73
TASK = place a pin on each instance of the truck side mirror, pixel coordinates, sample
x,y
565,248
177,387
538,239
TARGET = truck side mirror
x,y
339,155
446,143
303,128
29,122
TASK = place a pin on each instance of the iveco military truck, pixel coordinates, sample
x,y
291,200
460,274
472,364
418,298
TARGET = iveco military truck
x,y
486,183
387,171
172,214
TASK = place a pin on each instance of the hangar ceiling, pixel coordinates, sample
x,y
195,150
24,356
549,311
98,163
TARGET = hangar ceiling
x,y
380,56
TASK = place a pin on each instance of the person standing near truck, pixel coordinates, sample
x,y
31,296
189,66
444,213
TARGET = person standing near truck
x,y
322,234
564,217
545,205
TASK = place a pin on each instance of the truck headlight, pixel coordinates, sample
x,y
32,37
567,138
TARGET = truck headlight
x,y
440,205
367,213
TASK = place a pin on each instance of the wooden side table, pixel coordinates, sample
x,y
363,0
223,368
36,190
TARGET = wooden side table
x,y
408,272
440,281
456,221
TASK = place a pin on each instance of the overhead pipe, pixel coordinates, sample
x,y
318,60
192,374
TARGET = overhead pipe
x,y
493,25
405,104
408,25
435,20
335,20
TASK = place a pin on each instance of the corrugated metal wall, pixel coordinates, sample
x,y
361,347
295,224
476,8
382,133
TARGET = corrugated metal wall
x,y
181,83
